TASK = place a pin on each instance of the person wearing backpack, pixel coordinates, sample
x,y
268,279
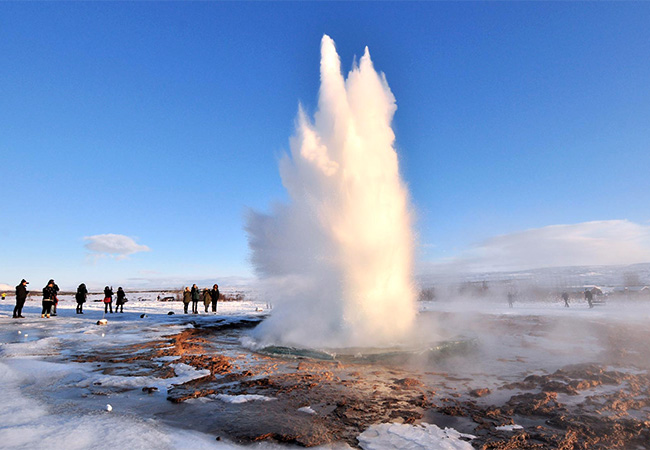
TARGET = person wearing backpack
x,y
80,296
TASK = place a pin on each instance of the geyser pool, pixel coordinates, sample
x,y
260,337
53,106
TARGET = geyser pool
x,y
336,261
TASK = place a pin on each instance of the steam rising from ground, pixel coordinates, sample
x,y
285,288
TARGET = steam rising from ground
x,y
337,260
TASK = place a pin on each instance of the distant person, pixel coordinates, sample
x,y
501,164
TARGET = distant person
x,y
511,299
196,296
56,297
108,299
187,298
80,297
589,296
565,297
49,294
4,296
21,296
214,294
207,298
121,300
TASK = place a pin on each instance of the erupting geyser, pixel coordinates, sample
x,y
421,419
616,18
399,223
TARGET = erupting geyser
x,y
337,260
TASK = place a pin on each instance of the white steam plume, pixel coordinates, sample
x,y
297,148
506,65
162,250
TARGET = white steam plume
x,y
337,260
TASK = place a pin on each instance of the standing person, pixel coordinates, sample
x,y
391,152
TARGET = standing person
x,y
589,296
80,296
196,295
215,297
565,297
206,298
21,296
49,294
56,296
108,299
511,299
121,299
187,298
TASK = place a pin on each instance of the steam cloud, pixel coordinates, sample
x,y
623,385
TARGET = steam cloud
x,y
337,260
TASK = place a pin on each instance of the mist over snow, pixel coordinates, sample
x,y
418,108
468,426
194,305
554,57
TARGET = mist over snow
x,y
337,260
114,245
597,243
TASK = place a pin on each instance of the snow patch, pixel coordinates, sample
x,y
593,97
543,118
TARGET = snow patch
x,y
242,398
389,436
307,409
509,428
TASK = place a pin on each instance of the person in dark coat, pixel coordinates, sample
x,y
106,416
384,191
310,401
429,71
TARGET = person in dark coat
x,y
21,296
565,297
80,296
589,296
214,294
196,296
56,296
187,298
121,299
108,299
49,294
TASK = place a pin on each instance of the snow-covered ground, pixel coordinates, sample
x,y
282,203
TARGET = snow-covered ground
x,y
46,399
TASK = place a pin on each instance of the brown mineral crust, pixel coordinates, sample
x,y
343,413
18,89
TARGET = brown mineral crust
x,y
479,392
216,364
558,386
408,382
542,404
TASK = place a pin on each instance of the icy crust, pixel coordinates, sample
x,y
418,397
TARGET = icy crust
x,y
393,436
184,373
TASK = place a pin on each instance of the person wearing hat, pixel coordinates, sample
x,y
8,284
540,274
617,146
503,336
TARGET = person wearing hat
x,y
21,296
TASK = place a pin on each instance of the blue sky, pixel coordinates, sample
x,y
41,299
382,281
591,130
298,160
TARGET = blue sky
x,y
164,122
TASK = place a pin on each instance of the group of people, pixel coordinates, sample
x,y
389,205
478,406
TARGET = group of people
x,y
194,295
210,297
50,299
120,299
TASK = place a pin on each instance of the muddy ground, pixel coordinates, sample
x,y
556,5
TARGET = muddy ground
x,y
515,375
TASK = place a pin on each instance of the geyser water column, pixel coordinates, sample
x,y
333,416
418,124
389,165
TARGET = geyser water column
x,y
336,261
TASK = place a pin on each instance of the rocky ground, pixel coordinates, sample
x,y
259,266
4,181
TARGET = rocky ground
x,y
603,404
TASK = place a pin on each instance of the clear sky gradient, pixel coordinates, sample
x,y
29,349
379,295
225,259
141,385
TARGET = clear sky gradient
x,y
164,122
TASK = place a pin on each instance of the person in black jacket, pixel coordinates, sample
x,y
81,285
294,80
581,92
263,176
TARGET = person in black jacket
x,y
80,296
49,294
215,297
196,296
21,296
121,299
108,299
55,301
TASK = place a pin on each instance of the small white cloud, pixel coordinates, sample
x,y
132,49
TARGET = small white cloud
x,y
117,246
605,242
